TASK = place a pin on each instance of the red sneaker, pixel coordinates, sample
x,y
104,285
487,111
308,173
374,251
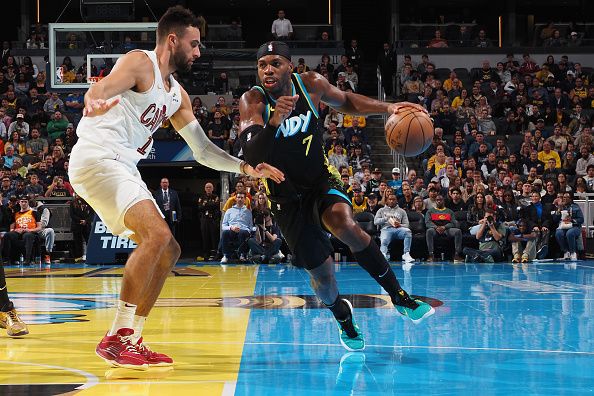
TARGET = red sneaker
x,y
154,359
118,350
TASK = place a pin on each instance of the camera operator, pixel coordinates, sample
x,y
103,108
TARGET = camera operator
x,y
491,237
266,243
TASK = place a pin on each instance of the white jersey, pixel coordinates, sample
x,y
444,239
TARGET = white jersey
x,y
128,127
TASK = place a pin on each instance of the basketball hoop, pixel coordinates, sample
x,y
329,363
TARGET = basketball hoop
x,y
93,80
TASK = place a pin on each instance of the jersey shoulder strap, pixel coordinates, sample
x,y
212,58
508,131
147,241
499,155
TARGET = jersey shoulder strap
x,y
302,91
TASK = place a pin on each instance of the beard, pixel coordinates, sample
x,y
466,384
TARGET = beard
x,y
181,62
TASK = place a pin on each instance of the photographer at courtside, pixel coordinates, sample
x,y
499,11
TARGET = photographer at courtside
x,y
491,237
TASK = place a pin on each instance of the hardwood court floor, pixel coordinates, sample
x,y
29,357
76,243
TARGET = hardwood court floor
x,y
258,330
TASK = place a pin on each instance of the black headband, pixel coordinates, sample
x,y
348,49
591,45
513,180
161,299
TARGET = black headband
x,y
274,48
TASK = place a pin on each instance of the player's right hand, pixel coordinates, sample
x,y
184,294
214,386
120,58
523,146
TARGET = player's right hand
x,y
283,108
97,107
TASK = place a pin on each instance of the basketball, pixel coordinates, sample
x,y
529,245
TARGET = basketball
x,y
409,132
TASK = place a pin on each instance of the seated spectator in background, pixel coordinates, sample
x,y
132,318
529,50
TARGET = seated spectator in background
x,y
237,225
359,201
431,201
574,40
442,221
555,40
333,116
481,40
396,182
351,76
586,159
570,218
20,126
57,189
523,241
419,206
358,158
221,106
9,157
17,143
239,188
34,188
437,41
75,102
53,104
538,216
47,234
491,236
547,153
266,243
337,156
56,127
528,66
581,187
406,201
25,227
393,223
58,161
35,145
550,172
373,204
455,202
373,184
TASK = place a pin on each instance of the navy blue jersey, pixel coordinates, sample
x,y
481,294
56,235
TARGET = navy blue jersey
x,y
298,148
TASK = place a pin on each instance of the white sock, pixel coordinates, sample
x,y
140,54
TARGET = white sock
x,y
138,325
124,317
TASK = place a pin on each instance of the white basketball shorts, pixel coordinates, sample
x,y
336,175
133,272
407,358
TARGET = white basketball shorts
x,y
110,185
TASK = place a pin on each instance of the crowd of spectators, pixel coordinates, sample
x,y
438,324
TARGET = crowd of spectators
x,y
502,134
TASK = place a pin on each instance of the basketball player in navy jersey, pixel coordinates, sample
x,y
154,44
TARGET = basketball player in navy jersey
x,y
279,126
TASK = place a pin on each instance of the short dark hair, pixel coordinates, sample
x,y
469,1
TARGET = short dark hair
x,y
175,20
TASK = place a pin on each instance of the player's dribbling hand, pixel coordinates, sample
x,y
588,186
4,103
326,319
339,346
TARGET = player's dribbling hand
x,y
401,106
97,107
283,108
265,170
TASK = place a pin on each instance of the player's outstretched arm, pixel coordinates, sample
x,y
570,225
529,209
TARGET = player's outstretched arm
x,y
125,75
349,102
209,154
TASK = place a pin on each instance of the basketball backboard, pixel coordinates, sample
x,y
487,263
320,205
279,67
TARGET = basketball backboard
x,y
93,49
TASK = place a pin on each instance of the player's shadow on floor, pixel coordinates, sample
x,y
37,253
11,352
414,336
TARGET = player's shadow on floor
x,y
119,373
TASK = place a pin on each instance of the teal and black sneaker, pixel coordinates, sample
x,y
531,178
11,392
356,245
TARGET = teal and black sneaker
x,y
415,310
356,342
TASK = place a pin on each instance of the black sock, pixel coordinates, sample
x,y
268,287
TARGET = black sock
x,y
373,261
342,313
5,303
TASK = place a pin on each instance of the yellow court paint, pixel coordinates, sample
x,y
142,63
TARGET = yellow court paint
x,y
204,339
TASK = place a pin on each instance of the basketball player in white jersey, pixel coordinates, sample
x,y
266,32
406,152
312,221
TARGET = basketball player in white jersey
x,y
121,113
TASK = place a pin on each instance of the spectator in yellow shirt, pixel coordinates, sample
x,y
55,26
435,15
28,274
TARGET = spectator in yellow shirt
x,y
547,153
347,121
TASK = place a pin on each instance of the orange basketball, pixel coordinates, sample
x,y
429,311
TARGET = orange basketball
x,y
409,132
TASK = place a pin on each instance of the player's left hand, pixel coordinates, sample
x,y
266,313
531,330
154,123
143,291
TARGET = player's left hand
x,y
265,170
396,108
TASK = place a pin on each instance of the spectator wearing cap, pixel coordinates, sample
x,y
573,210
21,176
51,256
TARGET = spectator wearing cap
x,y
574,40
373,184
19,125
393,223
373,204
343,84
337,156
351,76
282,29
396,182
